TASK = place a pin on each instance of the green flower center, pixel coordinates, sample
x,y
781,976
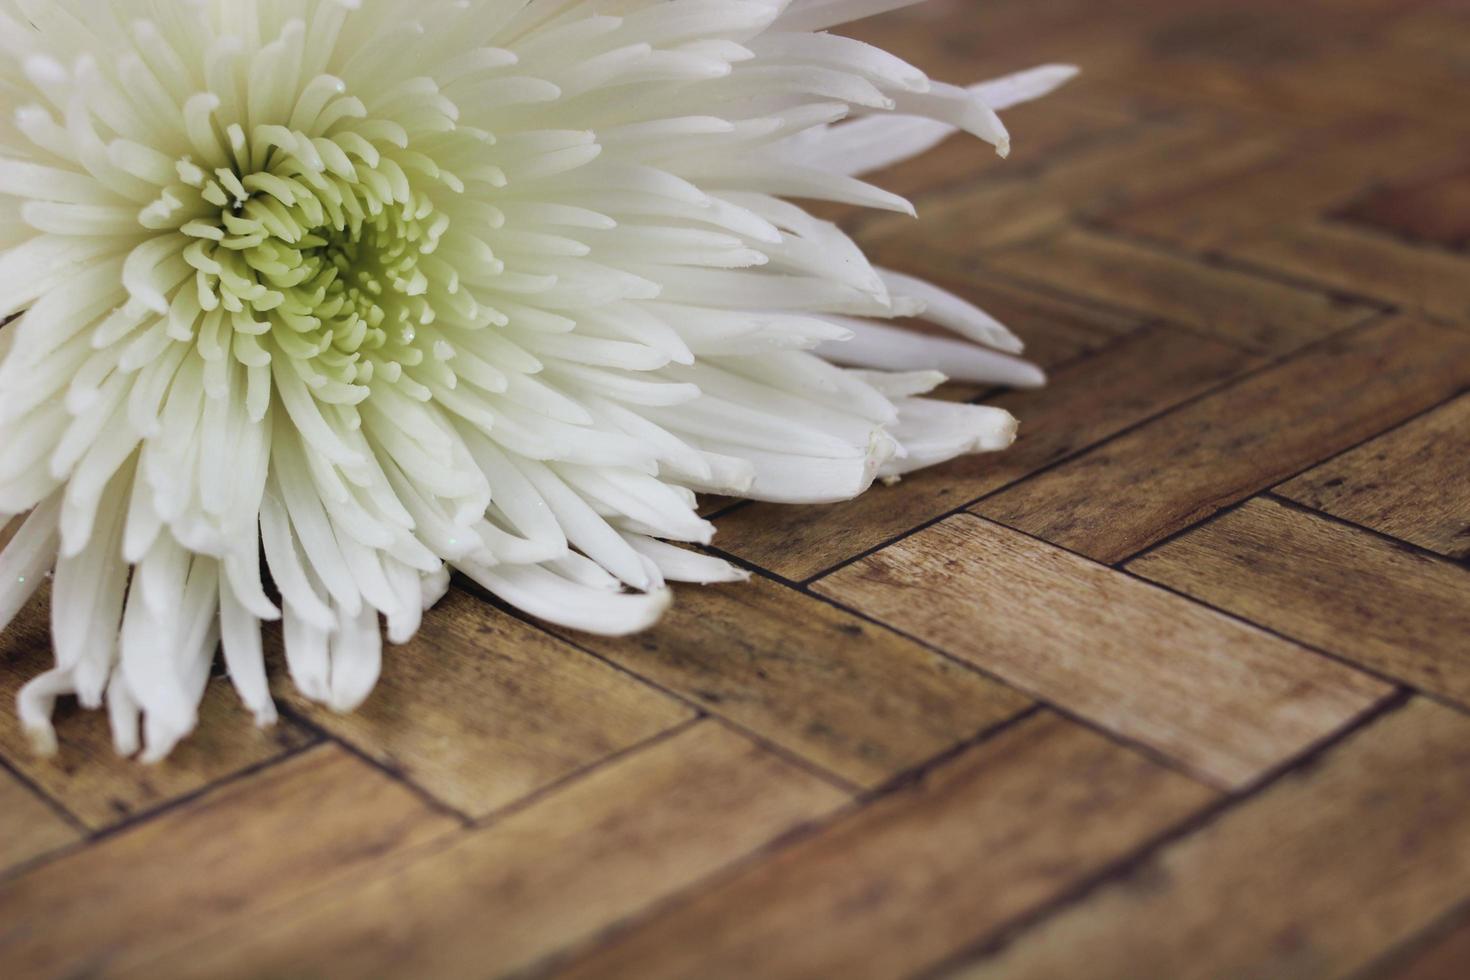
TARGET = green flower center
x,y
332,269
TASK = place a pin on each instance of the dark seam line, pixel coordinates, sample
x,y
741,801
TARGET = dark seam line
x,y
1199,396
500,814
993,677
327,736
55,805
1391,962
615,932
1217,258
1272,490
811,768
1398,543
148,815
1113,872
1389,681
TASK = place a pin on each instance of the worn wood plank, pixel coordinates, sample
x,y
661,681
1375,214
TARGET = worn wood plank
x,y
1135,378
246,846
32,827
1364,263
1238,173
1115,500
1316,877
481,708
1092,179
1412,483
1317,80
1322,172
1220,697
904,882
1337,588
1435,210
1247,311
853,698
87,776
1441,956
497,900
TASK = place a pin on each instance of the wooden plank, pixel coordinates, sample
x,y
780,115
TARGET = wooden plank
x,y
1320,80
1222,698
1245,310
1088,401
481,708
87,777
1096,178
1115,500
1337,588
1315,877
1323,171
1412,483
244,847
1440,956
853,698
497,900
1435,210
1364,263
901,884
32,827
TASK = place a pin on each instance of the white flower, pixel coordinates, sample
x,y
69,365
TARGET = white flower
x,y
377,288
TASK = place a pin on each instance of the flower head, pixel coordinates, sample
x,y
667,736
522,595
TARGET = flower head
x,y
380,288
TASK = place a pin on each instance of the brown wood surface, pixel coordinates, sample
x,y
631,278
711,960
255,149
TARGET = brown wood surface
x,y
1312,877
1412,483
1341,589
1178,687
1220,697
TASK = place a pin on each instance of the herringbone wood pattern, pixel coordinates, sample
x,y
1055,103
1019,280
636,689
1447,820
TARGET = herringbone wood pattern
x,y
1180,687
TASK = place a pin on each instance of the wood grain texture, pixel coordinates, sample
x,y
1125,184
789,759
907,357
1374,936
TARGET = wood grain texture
x,y
1143,374
87,777
247,846
1120,498
1249,312
1435,210
1239,243
901,884
481,709
1363,262
1220,697
1346,591
1139,162
1322,173
32,828
497,900
853,698
1412,483
1311,879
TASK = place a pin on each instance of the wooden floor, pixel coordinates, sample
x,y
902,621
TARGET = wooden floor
x,y
1180,687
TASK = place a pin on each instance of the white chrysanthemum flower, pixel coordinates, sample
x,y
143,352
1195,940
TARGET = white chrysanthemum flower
x,y
380,288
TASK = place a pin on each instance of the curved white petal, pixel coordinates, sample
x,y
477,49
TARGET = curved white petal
x,y
378,290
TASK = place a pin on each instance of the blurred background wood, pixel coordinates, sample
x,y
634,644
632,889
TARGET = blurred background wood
x,y
1177,688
